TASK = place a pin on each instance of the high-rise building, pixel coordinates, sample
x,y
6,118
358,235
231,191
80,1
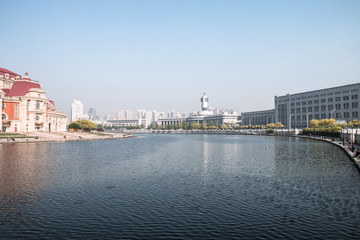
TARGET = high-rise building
x,y
77,110
92,114
128,115
120,115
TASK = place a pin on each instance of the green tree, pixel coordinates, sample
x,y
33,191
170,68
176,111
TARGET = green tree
x,y
74,125
84,123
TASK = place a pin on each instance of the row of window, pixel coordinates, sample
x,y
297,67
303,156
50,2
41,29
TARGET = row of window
x,y
337,99
324,115
330,107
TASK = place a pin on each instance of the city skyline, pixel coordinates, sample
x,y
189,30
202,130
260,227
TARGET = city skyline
x,y
163,55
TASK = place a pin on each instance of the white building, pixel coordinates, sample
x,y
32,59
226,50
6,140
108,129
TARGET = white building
x,y
77,110
204,116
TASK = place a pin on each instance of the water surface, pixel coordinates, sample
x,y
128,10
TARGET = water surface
x,y
179,187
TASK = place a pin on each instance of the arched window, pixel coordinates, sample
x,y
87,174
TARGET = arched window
x,y
37,105
37,118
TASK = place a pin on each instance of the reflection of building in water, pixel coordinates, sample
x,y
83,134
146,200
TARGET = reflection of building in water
x,y
205,116
24,174
25,108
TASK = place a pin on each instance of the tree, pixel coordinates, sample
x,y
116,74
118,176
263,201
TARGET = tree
x,y
314,123
74,125
83,123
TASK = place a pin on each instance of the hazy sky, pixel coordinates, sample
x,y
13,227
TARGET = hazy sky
x,y
163,54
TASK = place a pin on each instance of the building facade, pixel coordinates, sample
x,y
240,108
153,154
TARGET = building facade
x,y
258,117
77,110
25,108
203,117
297,110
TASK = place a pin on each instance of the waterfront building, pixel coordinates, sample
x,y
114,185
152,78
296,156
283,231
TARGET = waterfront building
x,y
296,110
25,108
258,117
205,116
77,110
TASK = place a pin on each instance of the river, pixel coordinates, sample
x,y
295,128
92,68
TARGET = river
x,y
179,187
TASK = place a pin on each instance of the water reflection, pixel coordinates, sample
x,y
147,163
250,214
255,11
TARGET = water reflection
x,y
23,178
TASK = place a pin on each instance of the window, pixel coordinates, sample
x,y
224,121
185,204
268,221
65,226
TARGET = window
x,y
346,105
354,105
323,115
37,105
337,99
330,99
304,109
316,116
3,106
309,102
338,106
37,118
303,103
298,110
355,114
310,109
292,104
292,110
304,117
346,98
316,108
323,108
354,96
330,107
298,104
346,114
354,90
316,101
3,116
298,118
323,100
16,111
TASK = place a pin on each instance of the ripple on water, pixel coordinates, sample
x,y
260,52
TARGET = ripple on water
x,y
189,186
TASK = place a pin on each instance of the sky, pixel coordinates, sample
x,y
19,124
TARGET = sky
x,y
163,55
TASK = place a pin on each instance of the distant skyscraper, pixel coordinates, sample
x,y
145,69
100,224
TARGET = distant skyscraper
x,y
128,115
120,115
77,110
92,114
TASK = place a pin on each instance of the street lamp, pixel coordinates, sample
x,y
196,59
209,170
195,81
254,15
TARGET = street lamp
x,y
332,112
307,119
289,122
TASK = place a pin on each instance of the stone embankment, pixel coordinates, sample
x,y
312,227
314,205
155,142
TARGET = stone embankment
x,y
63,137
343,145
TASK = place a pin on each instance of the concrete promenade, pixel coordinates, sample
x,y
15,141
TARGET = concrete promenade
x,y
62,137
